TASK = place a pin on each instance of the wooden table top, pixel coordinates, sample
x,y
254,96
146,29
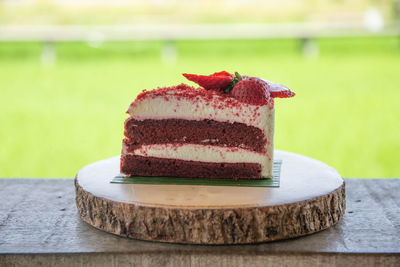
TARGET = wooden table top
x,y
39,222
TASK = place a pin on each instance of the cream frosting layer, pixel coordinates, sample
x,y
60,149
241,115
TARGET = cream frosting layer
x,y
206,153
213,107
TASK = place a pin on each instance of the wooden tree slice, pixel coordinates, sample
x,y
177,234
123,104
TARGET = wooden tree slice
x,y
311,198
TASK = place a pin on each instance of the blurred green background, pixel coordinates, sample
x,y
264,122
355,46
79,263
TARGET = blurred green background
x,y
63,103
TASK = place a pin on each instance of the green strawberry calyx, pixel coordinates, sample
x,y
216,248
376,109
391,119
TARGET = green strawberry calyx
x,y
235,80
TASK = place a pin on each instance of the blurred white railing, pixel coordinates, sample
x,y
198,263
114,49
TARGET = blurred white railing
x,y
191,31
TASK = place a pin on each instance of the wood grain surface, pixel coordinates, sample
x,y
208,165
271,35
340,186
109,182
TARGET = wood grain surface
x,y
39,226
311,198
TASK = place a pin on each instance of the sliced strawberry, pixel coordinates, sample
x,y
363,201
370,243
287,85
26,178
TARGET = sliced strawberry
x,y
222,73
279,90
218,81
253,91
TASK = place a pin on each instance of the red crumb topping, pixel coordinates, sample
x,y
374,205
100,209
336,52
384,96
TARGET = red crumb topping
x,y
183,90
217,100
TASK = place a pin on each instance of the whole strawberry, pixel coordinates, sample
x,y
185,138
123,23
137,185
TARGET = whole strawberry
x,y
252,90
218,81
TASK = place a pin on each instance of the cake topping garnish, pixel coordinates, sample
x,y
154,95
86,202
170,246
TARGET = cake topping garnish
x,y
218,81
279,90
251,90
237,78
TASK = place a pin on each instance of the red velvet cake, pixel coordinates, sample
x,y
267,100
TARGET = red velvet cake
x,y
223,129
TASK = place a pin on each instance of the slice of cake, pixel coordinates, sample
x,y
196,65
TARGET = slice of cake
x,y
222,130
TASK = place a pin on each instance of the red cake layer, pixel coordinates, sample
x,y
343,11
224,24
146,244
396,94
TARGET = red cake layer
x,y
204,132
133,165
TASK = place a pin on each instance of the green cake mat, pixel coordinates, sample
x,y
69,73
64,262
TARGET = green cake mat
x,y
269,182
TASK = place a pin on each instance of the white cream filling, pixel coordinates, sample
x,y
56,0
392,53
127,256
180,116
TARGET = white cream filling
x,y
206,153
198,108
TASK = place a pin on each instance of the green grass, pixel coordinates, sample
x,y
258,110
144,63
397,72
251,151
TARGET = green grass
x,y
55,119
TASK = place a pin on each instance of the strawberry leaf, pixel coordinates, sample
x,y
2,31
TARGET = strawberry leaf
x,y
235,80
